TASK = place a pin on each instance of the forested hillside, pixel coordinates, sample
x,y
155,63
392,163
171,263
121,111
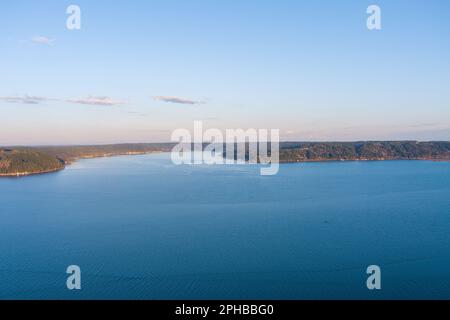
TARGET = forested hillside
x,y
377,150
27,161
24,161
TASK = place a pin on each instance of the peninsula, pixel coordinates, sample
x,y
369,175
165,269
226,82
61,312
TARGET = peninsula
x,y
21,161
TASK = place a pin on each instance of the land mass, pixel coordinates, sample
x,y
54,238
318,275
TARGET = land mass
x,y
368,150
21,161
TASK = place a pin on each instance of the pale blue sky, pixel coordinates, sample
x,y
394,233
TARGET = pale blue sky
x,y
310,68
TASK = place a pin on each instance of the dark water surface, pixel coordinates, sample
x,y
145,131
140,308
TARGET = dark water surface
x,y
142,228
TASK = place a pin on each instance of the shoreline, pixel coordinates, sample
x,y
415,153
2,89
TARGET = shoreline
x,y
27,174
365,160
110,155
71,161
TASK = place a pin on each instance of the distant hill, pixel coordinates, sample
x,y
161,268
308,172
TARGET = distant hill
x,y
25,162
20,161
371,150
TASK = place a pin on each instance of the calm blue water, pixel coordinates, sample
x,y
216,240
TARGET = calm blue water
x,y
141,228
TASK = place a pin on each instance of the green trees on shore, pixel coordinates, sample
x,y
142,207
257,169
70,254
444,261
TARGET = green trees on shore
x,y
25,161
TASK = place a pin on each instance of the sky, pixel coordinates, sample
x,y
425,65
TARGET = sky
x,y
137,70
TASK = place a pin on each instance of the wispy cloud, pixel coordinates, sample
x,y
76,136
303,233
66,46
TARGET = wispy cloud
x,y
98,101
425,125
25,99
42,40
177,100
90,100
139,114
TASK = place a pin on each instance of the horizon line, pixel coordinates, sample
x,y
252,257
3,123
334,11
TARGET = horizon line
x,y
143,143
